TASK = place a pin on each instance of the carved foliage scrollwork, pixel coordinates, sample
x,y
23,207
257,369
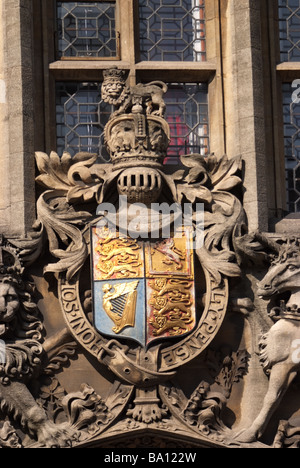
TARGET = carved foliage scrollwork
x,y
87,411
203,411
84,411
71,182
73,187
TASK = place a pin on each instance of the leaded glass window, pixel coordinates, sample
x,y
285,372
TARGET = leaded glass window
x,y
87,29
187,115
81,116
172,30
168,30
289,24
291,111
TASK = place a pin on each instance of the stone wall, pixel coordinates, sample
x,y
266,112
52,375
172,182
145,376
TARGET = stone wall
x,y
17,118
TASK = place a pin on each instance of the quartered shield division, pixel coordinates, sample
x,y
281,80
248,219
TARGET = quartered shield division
x,y
143,291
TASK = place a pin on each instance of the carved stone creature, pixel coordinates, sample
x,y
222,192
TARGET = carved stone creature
x,y
279,346
136,99
22,355
9,437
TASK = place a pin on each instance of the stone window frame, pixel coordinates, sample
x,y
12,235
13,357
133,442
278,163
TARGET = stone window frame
x,y
287,72
280,73
127,18
186,35
235,37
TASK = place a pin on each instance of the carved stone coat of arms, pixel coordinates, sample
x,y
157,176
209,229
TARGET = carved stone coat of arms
x,y
140,258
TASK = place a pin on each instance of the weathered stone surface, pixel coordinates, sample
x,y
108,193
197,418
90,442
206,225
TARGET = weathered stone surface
x,y
232,380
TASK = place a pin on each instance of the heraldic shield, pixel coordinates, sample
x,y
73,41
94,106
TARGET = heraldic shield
x,y
143,290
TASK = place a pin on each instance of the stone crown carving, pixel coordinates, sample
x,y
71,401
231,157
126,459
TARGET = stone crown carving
x,y
137,131
137,137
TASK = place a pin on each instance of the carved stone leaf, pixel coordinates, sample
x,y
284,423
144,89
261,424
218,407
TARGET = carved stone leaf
x,y
226,221
78,193
193,188
86,182
223,172
62,357
72,175
194,193
85,408
234,368
61,223
109,178
219,264
251,247
171,181
198,168
220,224
201,412
54,170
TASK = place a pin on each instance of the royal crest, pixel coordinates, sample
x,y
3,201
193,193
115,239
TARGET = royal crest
x,y
143,303
146,289
143,290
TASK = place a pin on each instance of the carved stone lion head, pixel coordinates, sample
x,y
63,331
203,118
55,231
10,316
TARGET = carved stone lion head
x,y
19,315
114,89
9,302
21,330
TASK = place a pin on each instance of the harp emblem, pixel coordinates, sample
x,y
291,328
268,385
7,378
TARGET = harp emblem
x,y
119,302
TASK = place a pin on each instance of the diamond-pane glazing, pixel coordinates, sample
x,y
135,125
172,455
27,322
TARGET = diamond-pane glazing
x,y
289,25
81,116
187,115
172,30
291,113
86,29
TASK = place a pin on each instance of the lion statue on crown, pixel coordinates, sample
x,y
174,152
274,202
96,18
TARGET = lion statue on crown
x,y
148,97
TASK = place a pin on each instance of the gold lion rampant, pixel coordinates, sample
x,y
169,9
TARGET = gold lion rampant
x,y
119,302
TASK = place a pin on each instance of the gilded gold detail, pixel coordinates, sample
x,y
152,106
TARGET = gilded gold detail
x,y
172,254
119,302
118,258
170,257
171,302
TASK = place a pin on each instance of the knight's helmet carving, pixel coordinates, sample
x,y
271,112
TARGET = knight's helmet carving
x,y
137,136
